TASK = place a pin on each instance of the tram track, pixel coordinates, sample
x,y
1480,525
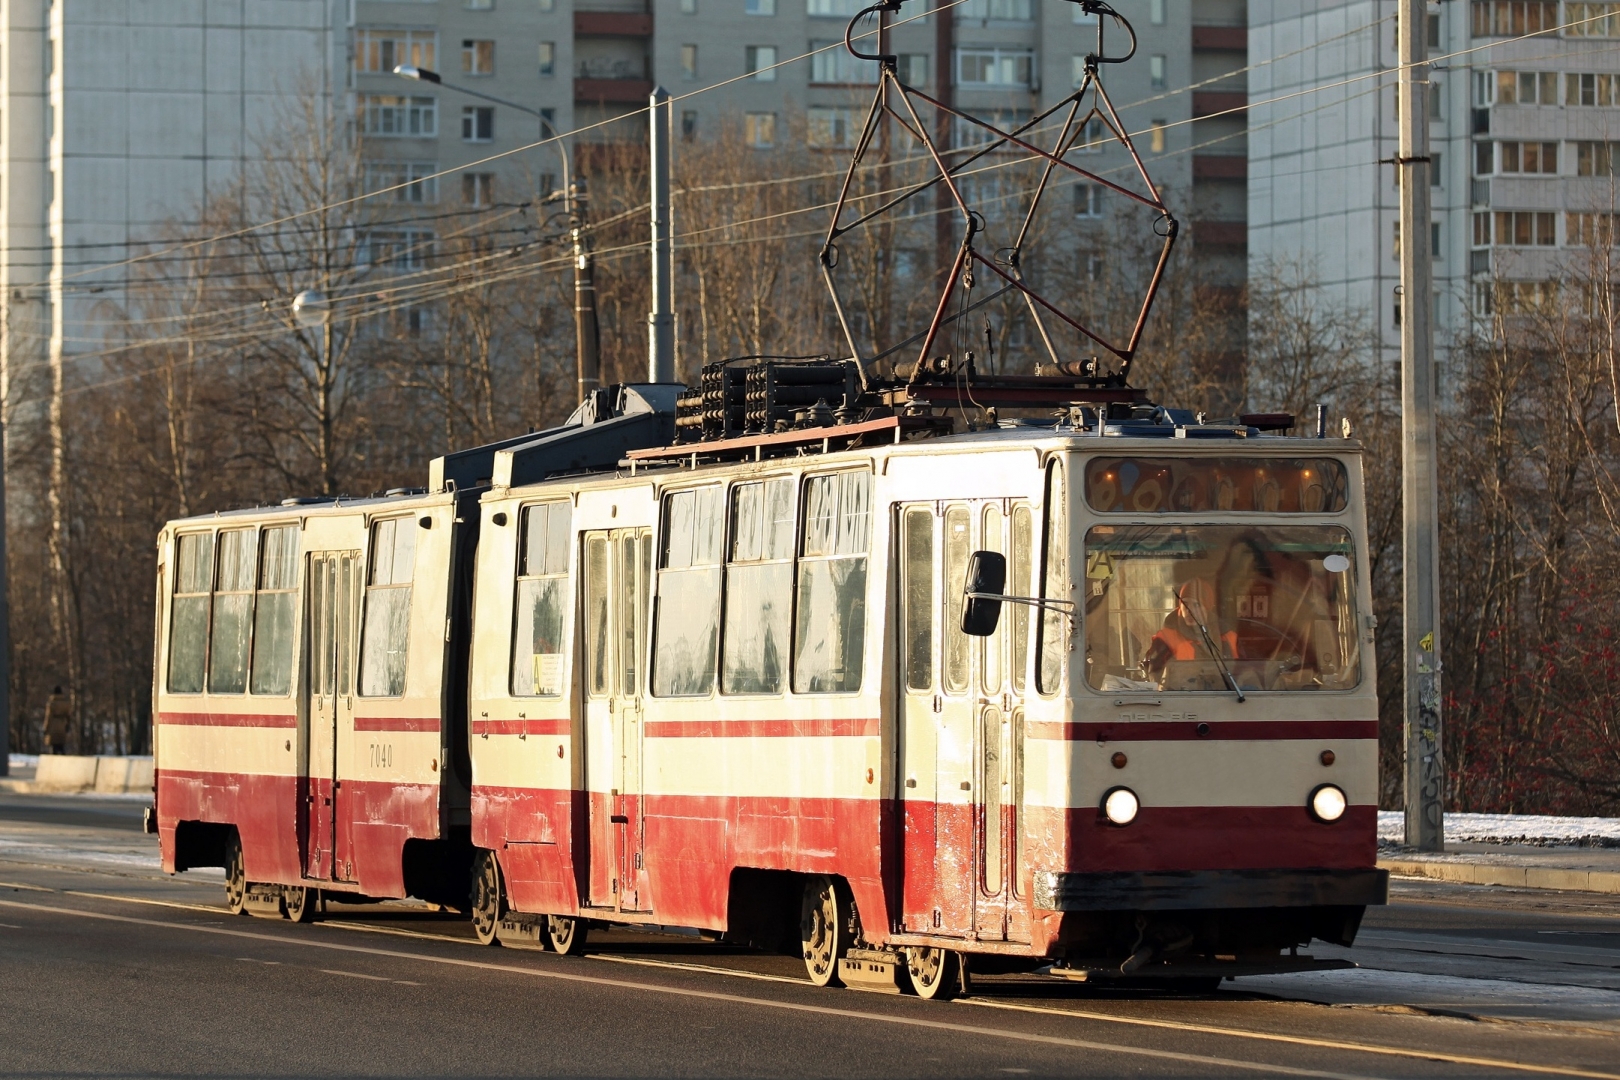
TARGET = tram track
x,y
281,937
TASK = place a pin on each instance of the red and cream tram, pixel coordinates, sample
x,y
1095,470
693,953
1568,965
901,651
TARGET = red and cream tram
x,y
1094,693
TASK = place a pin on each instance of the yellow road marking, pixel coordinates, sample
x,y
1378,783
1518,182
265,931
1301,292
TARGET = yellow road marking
x,y
1242,1067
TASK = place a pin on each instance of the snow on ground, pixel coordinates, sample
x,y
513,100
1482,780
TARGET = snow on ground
x,y
1534,829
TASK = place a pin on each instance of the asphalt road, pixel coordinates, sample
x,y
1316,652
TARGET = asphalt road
x,y
110,968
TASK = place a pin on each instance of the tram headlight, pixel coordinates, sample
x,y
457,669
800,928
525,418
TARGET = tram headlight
x,y
1120,805
1327,803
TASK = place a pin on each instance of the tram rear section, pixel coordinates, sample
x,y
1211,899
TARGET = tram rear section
x,y
733,688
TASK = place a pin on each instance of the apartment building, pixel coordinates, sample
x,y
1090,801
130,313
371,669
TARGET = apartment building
x,y
1520,130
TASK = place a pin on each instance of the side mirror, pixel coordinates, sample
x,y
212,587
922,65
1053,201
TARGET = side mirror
x,y
986,579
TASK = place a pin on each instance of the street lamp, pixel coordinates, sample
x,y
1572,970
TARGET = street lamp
x,y
311,309
575,202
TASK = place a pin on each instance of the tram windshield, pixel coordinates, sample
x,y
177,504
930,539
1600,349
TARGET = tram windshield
x,y
1277,602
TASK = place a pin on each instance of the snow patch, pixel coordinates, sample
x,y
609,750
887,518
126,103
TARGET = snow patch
x,y
1532,829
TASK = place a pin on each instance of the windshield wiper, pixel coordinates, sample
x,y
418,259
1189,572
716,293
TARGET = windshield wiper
x,y
1209,643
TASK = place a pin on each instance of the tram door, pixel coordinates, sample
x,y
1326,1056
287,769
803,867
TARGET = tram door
x,y
333,603
617,570
961,746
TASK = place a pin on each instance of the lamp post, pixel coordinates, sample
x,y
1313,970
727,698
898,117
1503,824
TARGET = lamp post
x,y
587,342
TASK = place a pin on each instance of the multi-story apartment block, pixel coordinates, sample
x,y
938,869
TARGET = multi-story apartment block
x,y
119,115
1525,101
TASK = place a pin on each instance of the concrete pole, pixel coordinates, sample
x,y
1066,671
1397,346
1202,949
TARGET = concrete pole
x,y
587,357
1425,768
661,322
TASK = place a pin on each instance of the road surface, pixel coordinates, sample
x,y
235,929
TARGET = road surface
x,y
109,968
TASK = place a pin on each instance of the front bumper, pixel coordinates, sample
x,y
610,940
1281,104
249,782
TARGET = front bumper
x,y
1202,890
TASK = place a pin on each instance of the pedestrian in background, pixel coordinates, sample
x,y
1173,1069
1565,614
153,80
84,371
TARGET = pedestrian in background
x,y
58,722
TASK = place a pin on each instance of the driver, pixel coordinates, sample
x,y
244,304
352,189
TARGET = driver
x,y
1179,638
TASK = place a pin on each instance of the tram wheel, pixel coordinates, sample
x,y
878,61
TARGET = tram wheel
x,y
824,929
298,902
488,901
235,876
936,974
567,934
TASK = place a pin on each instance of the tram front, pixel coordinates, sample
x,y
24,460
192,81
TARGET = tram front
x,y
1203,790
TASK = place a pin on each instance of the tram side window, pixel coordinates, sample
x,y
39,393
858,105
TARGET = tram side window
x,y
918,538
274,611
542,600
1054,630
759,589
233,613
829,635
388,607
688,594
958,546
1020,585
188,617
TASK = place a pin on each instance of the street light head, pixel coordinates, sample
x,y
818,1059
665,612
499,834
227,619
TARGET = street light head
x,y
311,309
420,74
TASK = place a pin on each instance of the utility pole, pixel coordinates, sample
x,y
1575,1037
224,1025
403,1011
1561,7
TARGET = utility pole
x,y
661,322
585,331
1420,619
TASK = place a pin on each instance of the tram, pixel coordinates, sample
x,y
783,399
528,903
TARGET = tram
x,y
1094,694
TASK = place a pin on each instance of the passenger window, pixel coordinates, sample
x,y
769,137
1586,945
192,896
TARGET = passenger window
x,y
1054,634
542,600
383,647
688,594
829,635
918,538
958,546
232,613
597,645
275,610
993,538
1019,585
632,610
759,588
188,617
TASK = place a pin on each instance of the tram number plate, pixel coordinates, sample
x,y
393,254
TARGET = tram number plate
x,y
382,755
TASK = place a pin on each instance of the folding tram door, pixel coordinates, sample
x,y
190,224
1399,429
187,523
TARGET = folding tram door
x,y
334,602
962,719
618,565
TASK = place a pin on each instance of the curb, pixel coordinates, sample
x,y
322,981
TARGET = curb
x,y
1520,877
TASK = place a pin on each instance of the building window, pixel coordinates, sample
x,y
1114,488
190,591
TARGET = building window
x,y
1155,12
759,130
1528,157
401,250
1515,228
398,116
478,5
999,10
477,123
477,57
1588,230
1077,68
1088,200
1434,31
830,128
1596,158
1434,239
1156,70
994,67
548,58
410,181
913,69
378,52
688,124
841,9
688,7
1591,89
966,133
1093,137
547,6
1513,18
1592,20
831,64
478,189
1436,173
759,7
1521,88
761,61
1156,136
1484,158
689,62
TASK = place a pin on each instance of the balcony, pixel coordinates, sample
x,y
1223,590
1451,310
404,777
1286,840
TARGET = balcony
x,y
1224,234
615,83
1220,167
624,24
1211,102
1220,38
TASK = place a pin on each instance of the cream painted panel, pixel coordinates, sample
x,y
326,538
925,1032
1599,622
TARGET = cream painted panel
x,y
1220,773
817,767
200,748
396,757
346,532
532,762
629,507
